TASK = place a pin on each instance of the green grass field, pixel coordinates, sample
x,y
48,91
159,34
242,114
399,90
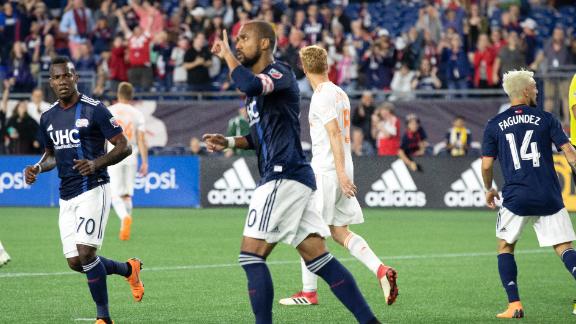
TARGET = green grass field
x,y
445,259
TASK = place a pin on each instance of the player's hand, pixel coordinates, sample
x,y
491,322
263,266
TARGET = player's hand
x,y
143,169
347,186
215,142
221,47
84,167
490,198
31,173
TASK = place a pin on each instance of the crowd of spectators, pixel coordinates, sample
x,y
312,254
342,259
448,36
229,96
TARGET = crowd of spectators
x,y
165,45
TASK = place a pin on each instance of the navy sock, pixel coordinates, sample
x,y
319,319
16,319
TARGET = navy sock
x,y
343,286
569,259
96,274
508,273
260,287
115,267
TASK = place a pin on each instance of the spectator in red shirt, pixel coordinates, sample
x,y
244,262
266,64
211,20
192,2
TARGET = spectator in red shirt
x,y
483,61
140,70
117,64
386,130
147,12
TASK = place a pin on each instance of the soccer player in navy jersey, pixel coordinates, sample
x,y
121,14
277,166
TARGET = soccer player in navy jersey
x,y
74,132
282,207
521,138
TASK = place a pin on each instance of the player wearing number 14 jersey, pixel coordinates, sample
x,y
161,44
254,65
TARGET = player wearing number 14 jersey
x,y
332,164
521,138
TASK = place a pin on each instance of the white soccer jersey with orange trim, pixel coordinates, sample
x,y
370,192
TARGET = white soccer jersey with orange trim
x,y
329,102
132,122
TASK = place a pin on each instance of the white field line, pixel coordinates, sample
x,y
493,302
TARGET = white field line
x,y
280,262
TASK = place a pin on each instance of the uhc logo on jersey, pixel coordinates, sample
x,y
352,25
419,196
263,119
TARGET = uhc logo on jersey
x,y
253,114
65,138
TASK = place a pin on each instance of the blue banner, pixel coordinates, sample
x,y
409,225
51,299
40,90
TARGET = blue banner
x,y
170,182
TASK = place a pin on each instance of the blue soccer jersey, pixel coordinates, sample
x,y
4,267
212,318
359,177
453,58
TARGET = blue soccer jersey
x,y
521,138
78,132
273,106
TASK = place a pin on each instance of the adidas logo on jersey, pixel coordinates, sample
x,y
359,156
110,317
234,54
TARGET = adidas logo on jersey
x,y
235,187
395,188
468,191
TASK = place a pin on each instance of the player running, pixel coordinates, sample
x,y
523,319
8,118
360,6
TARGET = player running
x,y
282,207
123,174
4,256
332,164
74,132
521,138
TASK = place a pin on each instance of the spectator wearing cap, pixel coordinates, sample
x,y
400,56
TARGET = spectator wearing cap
x,y
386,130
378,63
483,63
77,23
413,142
140,67
197,60
529,39
197,19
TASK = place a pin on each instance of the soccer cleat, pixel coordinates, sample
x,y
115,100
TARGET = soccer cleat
x,y
101,321
514,310
4,257
125,228
387,277
301,299
133,279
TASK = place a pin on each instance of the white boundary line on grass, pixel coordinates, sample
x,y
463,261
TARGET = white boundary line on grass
x,y
280,262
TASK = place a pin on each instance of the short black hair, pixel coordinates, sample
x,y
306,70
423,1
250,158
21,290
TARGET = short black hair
x,y
265,30
61,60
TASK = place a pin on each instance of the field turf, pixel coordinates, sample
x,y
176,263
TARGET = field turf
x,y
446,262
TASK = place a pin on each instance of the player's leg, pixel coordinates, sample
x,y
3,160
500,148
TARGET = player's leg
x,y
360,249
341,282
568,256
117,190
309,293
129,175
254,251
4,256
508,229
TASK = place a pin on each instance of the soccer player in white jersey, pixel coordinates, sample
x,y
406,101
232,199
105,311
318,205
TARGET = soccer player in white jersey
x,y
123,174
4,256
332,164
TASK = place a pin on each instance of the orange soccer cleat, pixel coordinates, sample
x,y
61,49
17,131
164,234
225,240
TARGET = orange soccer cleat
x,y
101,321
125,228
514,310
387,277
136,284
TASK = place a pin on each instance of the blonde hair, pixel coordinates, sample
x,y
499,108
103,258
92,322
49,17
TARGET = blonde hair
x,y
516,81
125,91
314,59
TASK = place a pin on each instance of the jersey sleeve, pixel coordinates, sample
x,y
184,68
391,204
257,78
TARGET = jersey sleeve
x,y
107,123
44,137
325,107
260,84
557,134
490,143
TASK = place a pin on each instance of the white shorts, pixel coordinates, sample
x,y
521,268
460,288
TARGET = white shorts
x,y
283,211
83,219
335,208
122,178
550,230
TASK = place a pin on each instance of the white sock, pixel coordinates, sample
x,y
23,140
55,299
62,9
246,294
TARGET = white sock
x,y
1,247
309,280
361,251
119,207
128,204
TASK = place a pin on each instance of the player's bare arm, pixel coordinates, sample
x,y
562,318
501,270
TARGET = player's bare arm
x,y
143,149
219,142
47,162
120,151
570,154
336,138
488,178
